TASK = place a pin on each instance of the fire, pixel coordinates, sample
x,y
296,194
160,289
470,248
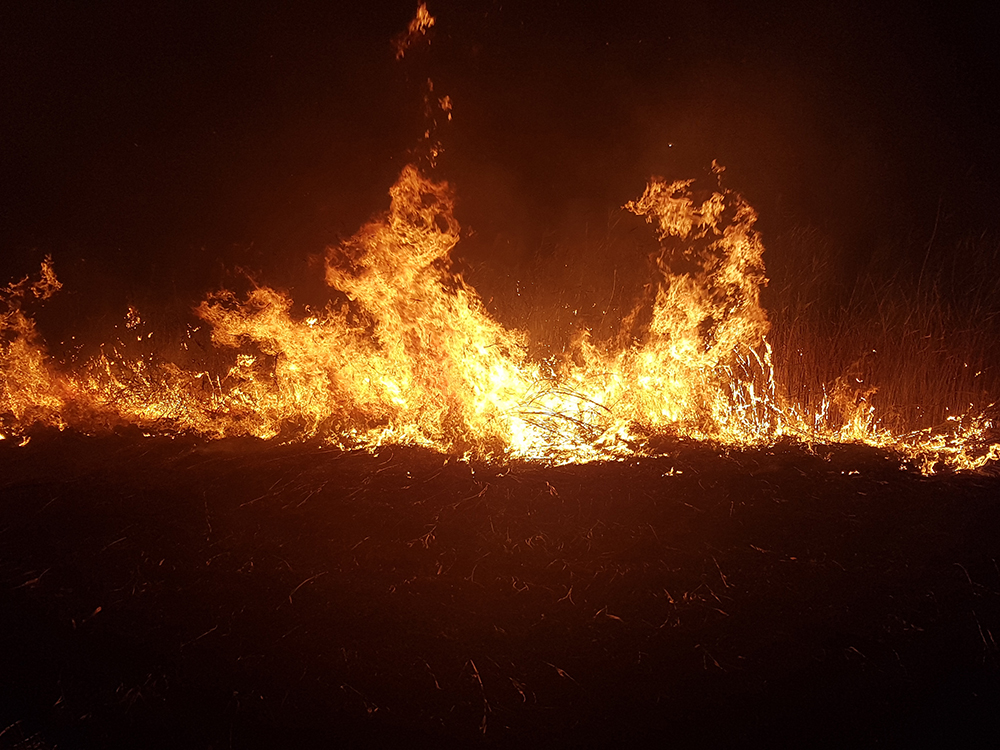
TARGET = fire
x,y
418,27
410,355
407,353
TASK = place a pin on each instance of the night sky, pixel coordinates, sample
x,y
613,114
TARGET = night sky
x,y
152,148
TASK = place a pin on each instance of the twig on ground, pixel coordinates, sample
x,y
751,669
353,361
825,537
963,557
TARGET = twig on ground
x,y
308,580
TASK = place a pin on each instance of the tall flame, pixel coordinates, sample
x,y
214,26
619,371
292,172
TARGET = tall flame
x,y
410,355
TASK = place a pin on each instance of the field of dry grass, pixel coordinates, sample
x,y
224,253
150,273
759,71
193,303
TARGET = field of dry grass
x,y
917,341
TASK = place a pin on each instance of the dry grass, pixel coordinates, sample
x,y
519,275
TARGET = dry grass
x,y
919,342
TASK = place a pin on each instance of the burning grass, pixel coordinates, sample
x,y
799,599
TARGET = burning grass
x,y
687,519
406,352
911,352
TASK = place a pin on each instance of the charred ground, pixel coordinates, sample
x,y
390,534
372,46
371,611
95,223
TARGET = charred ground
x,y
171,593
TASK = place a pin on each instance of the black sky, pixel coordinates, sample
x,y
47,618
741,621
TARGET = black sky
x,y
157,146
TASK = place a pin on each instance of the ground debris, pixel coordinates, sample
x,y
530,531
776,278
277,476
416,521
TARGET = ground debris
x,y
398,596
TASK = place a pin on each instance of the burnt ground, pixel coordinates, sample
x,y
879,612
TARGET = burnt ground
x,y
172,593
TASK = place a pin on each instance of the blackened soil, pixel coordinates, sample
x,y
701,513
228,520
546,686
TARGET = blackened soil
x,y
173,593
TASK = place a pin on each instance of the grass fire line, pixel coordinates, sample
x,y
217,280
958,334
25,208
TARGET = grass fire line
x,y
407,353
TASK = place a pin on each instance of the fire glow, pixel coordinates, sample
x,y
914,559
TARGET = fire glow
x,y
412,356
409,354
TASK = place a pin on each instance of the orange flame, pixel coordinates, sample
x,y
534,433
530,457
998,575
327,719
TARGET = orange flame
x,y
418,27
412,356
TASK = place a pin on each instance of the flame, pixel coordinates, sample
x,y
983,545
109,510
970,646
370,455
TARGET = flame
x,y
409,354
30,391
417,29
